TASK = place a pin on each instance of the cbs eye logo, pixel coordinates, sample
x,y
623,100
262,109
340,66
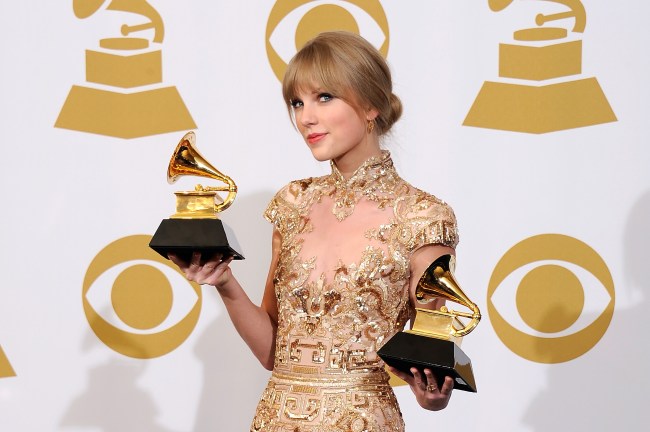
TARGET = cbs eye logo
x,y
136,302
563,293
291,23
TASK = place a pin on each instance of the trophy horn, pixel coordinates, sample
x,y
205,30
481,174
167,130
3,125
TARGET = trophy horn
x,y
85,8
438,281
186,160
498,5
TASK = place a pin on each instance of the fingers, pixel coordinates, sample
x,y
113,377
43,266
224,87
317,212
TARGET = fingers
x,y
216,260
182,264
425,387
432,384
447,386
195,261
402,375
193,272
200,270
419,380
435,397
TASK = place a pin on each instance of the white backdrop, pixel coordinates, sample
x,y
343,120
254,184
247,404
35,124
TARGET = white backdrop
x,y
70,193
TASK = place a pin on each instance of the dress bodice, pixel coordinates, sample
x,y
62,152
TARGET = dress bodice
x,y
343,274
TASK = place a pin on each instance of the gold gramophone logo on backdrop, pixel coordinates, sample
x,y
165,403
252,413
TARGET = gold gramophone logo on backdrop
x,y
137,302
124,97
291,23
550,96
6,370
551,298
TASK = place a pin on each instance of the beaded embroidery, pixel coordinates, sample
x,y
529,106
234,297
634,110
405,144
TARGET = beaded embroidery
x,y
332,321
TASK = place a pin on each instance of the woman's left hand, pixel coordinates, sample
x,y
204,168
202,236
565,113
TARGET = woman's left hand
x,y
425,389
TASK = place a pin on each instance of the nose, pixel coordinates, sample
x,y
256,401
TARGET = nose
x,y
306,116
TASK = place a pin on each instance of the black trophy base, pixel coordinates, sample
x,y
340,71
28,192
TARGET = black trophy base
x,y
406,350
184,236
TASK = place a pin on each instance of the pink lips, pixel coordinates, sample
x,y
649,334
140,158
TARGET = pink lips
x,y
315,137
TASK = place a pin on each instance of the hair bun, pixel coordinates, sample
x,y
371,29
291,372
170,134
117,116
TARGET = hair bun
x,y
395,111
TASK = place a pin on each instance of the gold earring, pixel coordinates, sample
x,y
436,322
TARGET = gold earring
x,y
371,126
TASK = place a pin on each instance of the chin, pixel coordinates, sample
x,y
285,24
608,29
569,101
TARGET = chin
x,y
320,156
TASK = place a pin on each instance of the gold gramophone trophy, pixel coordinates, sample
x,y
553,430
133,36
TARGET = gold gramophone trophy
x,y
195,227
434,340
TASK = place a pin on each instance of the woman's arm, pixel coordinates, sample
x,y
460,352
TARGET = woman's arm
x,y
256,325
424,386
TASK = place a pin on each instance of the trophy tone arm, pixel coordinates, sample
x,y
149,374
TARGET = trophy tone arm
x,y
231,189
438,281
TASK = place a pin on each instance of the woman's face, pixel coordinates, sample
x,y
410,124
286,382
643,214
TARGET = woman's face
x,y
332,128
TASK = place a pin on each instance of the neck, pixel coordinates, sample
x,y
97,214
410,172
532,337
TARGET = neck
x,y
348,163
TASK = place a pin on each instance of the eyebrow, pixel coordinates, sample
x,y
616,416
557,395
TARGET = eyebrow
x,y
312,91
316,89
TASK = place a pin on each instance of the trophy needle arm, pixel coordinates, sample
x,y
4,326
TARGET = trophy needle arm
x,y
475,319
231,189
140,7
439,281
127,29
577,11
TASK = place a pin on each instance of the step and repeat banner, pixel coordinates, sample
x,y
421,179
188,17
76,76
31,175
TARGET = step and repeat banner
x,y
529,117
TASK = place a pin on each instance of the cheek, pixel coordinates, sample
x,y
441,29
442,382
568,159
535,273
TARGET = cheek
x,y
355,129
350,124
299,126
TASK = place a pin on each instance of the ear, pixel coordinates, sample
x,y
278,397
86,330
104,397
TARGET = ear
x,y
371,114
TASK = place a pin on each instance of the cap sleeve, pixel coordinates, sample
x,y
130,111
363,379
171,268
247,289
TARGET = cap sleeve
x,y
283,210
429,220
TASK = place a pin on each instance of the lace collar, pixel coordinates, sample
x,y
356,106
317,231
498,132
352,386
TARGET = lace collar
x,y
376,180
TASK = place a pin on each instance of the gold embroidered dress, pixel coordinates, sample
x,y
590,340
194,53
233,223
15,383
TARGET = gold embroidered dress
x,y
342,290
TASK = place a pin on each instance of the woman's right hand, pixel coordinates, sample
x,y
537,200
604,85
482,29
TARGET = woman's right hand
x,y
214,271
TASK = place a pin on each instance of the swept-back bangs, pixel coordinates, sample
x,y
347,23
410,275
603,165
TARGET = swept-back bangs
x,y
347,66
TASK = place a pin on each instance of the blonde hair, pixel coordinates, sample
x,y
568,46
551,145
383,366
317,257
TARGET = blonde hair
x,y
350,68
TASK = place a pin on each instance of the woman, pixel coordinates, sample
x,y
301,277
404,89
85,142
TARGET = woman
x,y
347,252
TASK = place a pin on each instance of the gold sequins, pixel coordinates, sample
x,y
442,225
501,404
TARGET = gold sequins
x,y
331,322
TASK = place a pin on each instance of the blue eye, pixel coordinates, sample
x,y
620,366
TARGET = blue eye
x,y
295,103
325,97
